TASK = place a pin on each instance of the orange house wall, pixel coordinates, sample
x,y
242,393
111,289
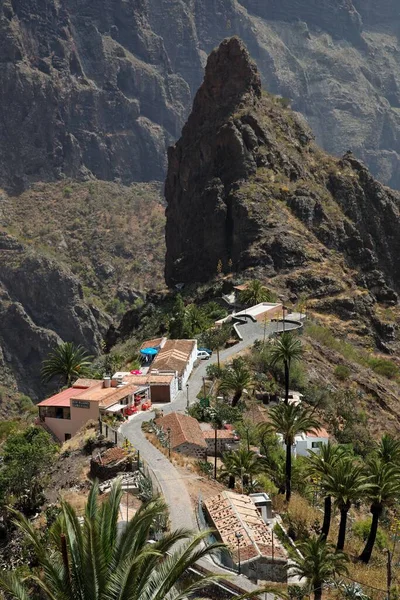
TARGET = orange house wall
x,y
79,416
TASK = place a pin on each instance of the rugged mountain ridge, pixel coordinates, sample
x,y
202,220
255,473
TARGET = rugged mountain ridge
x,y
248,189
41,304
73,258
102,88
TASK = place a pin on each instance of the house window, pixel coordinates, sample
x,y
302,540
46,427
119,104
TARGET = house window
x,y
316,444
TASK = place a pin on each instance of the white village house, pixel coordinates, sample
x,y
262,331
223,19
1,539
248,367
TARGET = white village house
x,y
304,442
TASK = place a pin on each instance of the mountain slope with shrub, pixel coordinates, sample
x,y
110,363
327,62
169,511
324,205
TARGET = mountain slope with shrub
x,y
251,194
73,257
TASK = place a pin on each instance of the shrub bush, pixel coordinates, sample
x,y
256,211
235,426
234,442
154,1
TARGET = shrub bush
x,y
67,192
361,530
342,372
204,467
384,367
213,371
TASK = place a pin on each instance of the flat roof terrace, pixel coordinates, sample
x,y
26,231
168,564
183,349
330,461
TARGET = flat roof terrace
x,y
259,309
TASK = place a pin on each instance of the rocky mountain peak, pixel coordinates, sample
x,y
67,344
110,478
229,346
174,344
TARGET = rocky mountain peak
x,y
249,190
231,79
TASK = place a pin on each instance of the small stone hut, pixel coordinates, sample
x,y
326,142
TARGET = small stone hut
x,y
185,434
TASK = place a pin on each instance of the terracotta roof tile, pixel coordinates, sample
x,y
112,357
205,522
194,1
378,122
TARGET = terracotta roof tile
x,y
113,455
105,396
184,429
84,383
321,433
150,379
174,355
233,513
222,434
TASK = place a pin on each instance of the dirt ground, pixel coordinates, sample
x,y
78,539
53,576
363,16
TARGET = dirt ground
x,y
199,485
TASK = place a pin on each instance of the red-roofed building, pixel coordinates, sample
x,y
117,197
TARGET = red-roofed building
x,y
66,412
185,435
226,440
251,541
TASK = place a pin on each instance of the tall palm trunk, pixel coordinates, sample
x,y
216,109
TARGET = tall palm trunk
x,y
317,590
288,472
287,375
376,511
236,398
327,516
342,527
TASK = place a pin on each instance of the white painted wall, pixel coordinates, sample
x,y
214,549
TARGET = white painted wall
x,y
189,366
304,444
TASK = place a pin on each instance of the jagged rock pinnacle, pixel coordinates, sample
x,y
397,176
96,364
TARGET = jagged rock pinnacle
x,y
231,78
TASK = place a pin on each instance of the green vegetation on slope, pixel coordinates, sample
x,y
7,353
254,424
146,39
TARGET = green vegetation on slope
x,y
111,236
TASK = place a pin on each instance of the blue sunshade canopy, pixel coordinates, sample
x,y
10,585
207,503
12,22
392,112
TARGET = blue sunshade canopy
x,y
149,351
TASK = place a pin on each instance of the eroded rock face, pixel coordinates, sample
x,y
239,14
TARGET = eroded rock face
x,y
41,304
248,188
103,87
87,89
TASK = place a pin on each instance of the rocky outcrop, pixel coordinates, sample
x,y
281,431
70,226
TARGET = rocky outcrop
x,y
247,187
103,87
41,304
85,88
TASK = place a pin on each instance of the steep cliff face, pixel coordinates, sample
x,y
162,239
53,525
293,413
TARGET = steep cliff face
x,y
84,88
41,304
73,258
248,188
103,87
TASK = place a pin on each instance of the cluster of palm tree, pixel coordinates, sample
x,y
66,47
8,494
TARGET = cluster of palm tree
x,y
241,464
190,320
255,293
345,480
287,420
236,379
97,559
286,350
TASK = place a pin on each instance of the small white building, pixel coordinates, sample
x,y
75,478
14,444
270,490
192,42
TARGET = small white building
x,y
176,356
294,398
263,504
306,442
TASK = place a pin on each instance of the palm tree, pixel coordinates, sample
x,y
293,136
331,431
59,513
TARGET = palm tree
x,y
388,450
241,463
346,482
289,420
68,362
96,561
384,491
318,563
320,464
286,349
255,293
196,319
236,378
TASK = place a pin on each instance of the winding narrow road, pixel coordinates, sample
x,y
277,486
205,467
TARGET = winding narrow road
x,y
170,479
